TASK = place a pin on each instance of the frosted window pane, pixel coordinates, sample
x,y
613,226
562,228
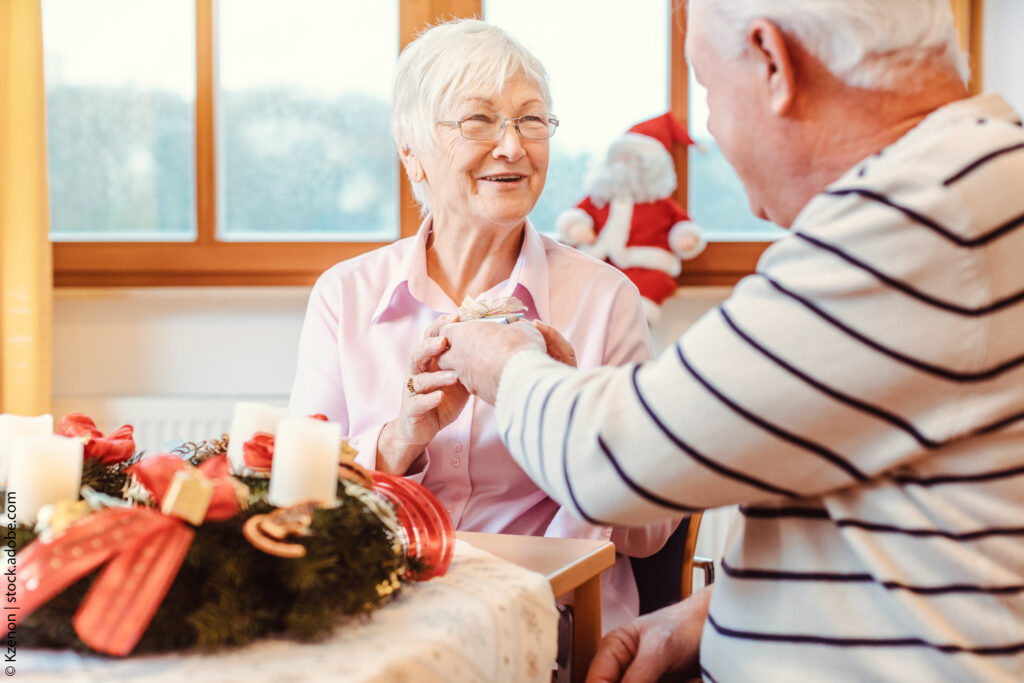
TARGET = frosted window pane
x,y
120,94
608,69
717,200
303,106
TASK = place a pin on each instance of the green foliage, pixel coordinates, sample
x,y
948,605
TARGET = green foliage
x,y
229,593
108,479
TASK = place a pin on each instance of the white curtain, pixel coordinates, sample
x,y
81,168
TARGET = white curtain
x,y
26,272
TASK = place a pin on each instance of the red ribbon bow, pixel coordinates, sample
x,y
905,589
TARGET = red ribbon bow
x,y
116,447
156,473
142,549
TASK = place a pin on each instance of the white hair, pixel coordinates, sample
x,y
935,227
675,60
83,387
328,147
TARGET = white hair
x,y
446,62
871,44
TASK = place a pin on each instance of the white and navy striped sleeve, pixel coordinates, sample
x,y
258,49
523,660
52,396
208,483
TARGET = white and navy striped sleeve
x,y
857,348
862,397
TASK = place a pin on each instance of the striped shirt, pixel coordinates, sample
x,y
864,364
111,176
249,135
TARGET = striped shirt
x,y
862,397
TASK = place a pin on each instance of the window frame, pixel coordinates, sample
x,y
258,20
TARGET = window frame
x,y
207,261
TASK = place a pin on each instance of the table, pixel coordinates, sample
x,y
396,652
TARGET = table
x,y
487,619
572,566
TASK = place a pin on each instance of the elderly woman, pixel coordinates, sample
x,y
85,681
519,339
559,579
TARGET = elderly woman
x,y
471,119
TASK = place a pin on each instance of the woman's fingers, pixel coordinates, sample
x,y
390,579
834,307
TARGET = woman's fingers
x,y
429,381
425,353
559,347
436,326
421,404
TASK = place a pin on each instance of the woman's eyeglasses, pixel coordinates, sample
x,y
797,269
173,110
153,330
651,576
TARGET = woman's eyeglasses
x,y
491,127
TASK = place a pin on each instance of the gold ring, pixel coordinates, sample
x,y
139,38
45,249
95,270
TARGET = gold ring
x,y
412,389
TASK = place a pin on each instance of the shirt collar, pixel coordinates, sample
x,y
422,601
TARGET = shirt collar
x,y
410,285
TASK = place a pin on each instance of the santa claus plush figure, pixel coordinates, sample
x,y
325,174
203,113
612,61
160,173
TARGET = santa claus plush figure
x,y
629,218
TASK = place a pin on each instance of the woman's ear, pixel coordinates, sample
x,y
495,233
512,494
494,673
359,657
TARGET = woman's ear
x,y
771,52
413,167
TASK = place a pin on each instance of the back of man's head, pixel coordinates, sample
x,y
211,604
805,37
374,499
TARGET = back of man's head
x,y
871,44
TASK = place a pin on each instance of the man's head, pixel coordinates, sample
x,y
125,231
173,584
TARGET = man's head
x,y
800,90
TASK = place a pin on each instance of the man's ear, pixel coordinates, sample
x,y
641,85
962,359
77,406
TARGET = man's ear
x,y
413,167
769,48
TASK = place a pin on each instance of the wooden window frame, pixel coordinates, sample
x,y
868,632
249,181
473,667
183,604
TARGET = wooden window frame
x,y
207,261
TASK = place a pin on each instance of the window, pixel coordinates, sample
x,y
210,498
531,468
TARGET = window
x,y
233,142
717,201
237,142
596,98
120,131
303,133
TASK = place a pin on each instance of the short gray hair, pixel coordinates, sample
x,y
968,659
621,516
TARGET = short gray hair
x,y
871,44
448,61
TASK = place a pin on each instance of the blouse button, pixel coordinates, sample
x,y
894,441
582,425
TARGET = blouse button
x,y
456,497
458,447
456,462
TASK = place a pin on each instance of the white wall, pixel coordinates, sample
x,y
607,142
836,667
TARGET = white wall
x,y
215,342
211,342
173,362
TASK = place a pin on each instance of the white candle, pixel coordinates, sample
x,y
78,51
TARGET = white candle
x,y
12,426
305,467
250,418
43,470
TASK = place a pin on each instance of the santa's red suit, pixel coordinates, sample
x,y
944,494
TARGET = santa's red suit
x,y
639,239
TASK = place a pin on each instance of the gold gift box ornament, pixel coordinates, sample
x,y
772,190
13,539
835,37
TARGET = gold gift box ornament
x,y
188,496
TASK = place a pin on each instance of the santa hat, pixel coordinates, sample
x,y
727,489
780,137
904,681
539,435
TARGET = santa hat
x,y
653,139
666,129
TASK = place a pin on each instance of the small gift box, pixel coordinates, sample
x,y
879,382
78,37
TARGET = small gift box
x,y
505,309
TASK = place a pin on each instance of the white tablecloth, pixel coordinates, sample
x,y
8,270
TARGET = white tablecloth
x,y
485,620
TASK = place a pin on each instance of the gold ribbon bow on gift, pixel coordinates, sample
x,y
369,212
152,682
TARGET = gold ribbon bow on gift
x,y
505,309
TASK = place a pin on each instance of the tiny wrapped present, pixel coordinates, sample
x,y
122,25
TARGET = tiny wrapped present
x,y
506,309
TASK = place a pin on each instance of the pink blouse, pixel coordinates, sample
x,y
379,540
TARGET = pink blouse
x,y
363,319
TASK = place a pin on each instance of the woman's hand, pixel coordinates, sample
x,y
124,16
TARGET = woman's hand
x,y
431,400
559,347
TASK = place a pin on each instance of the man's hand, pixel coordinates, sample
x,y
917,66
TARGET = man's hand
x,y
666,641
480,350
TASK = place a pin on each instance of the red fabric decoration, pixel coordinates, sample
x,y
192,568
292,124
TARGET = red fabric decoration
x,y
117,447
156,472
258,452
145,550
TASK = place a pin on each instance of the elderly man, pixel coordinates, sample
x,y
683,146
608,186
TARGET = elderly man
x,y
861,396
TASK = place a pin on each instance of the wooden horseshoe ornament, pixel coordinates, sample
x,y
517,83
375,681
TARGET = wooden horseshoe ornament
x,y
270,532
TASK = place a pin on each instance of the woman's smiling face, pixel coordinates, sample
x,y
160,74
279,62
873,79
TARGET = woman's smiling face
x,y
488,181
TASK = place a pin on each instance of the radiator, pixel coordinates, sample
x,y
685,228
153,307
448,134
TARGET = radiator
x,y
161,423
